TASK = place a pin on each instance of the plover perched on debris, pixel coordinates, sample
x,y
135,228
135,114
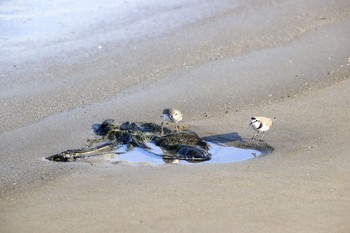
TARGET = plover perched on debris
x,y
261,124
171,115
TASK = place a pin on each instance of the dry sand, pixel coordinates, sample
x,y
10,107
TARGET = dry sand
x,y
220,63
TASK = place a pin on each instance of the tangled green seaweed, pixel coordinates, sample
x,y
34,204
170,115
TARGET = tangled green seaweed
x,y
182,145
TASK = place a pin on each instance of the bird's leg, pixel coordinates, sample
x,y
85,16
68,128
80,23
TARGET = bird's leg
x,y
161,128
262,136
254,136
177,127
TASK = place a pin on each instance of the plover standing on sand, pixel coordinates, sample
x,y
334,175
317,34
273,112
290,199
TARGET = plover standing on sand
x,y
261,124
171,115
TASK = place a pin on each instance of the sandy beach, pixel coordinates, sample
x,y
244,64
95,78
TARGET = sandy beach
x,y
68,65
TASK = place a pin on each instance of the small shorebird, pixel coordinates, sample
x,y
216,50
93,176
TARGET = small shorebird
x,y
171,115
261,124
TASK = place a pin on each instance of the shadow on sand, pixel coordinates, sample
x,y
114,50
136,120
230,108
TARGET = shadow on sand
x,y
234,139
224,138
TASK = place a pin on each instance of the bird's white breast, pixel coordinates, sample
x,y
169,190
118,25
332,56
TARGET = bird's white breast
x,y
263,128
255,125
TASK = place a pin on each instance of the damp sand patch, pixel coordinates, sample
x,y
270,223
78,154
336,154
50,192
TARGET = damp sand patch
x,y
142,143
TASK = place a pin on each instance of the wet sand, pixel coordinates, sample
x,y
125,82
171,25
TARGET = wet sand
x,y
220,63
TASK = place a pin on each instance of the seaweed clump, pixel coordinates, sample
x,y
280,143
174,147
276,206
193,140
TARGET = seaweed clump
x,y
183,145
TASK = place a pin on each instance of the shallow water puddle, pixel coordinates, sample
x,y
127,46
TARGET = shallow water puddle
x,y
135,143
220,154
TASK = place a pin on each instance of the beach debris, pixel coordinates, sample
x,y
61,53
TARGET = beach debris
x,y
184,145
72,155
194,154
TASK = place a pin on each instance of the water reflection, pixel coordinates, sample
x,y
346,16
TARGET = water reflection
x,y
220,154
